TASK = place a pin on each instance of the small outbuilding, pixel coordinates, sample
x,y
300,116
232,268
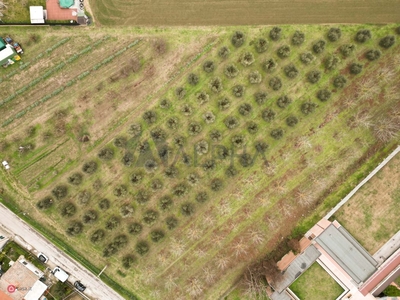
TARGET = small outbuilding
x,y
37,14
7,53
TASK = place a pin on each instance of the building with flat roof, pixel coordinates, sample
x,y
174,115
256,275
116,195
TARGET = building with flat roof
x,y
7,52
37,14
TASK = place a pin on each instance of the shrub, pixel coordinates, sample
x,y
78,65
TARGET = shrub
x,y
193,79
224,52
106,154
238,90
89,216
231,171
275,83
261,146
238,140
158,134
298,38
135,129
165,203
291,71
319,46
180,189
172,123
255,77
150,217
171,172
268,115
261,45
156,184
180,92
120,142
120,191
275,33
157,235
45,203
142,247
355,68
104,204
245,109
75,179
260,97
387,42
252,127
194,128
246,59
238,39
308,107
283,51
269,65
165,104
216,184
231,122
307,58
187,110
128,261
187,209
201,147
373,54
224,103
331,62
283,101
201,197
74,228
334,34
143,146
135,228
209,117
126,210
171,222
363,35
84,197
215,135
97,236
313,76
209,165
347,49
216,85
208,66
142,196
245,160
150,166
179,140
339,81
277,133
231,71
60,192
324,95
150,117
127,159
68,209
291,121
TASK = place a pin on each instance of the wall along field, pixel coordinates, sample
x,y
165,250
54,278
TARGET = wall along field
x,y
178,157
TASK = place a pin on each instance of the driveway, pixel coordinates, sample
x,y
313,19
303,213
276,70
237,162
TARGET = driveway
x,y
32,240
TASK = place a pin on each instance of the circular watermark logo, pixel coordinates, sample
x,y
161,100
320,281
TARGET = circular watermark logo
x,y
11,288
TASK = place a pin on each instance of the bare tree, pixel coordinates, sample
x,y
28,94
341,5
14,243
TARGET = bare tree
x,y
386,128
255,285
222,262
194,287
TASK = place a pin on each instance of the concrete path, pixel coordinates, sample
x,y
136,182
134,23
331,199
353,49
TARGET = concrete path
x,y
390,247
31,239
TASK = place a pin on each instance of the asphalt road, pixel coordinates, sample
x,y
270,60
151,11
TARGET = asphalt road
x,y
25,235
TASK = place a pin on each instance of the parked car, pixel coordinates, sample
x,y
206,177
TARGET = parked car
x,y
79,286
60,274
43,258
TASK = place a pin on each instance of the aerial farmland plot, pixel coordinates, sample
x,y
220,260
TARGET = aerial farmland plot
x,y
178,157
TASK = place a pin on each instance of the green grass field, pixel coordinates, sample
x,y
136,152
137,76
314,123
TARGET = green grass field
x,y
314,283
79,91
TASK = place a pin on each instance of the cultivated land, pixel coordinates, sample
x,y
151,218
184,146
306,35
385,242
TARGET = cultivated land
x,y
243,12
372,214
314,283
188,231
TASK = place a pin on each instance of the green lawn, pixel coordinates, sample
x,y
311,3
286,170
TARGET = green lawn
x,y
12,251
314,283
18,11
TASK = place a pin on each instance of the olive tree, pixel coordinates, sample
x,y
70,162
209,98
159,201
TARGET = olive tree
x,y
308,107
291,71
269,65
261,45
224,52
260,97
254,77
247,58
275,83
283,101
208,66
387,42
363,35
373,54
339,81
319,46
324,95
238,39
283,51
150,117
313,76
334,34
347,49
298,38
231,71
275,33
355,68
307,58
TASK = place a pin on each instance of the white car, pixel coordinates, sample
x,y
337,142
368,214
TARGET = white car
x,y
6,165
43,258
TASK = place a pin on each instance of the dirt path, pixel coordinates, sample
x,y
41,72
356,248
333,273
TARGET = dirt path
x,y
89,9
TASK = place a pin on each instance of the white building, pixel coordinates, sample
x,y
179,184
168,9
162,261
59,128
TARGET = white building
x,y
38,14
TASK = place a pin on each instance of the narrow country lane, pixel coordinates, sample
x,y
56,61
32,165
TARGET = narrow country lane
x,y
24,233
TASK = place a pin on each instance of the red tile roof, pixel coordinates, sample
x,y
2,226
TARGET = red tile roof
x,y
55,12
